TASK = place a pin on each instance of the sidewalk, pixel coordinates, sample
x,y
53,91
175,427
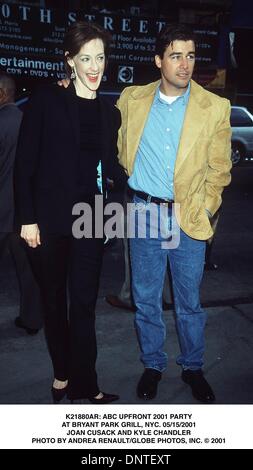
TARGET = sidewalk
x,y
227,295
25,366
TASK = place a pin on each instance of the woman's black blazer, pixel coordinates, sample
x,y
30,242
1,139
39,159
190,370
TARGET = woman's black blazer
x,y
48,152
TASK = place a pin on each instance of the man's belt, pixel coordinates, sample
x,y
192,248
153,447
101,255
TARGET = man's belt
x,y
148,198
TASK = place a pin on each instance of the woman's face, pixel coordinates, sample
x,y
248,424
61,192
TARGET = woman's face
x,y
89,65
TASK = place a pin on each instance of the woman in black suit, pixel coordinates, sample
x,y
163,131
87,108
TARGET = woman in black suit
x,y
66,136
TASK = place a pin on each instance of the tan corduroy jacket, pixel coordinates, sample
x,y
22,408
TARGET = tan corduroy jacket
x,y
203,160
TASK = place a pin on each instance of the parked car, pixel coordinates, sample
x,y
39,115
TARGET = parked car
x,y
242,135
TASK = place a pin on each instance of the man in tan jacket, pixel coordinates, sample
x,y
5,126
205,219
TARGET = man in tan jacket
x,y
175,144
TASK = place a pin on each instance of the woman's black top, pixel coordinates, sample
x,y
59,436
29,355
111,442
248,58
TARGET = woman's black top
x,y
90,150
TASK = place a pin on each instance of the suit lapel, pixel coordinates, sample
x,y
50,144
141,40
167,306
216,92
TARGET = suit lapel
x,y
194,122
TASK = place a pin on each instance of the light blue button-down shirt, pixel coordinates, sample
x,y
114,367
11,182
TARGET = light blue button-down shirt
x,y
154,165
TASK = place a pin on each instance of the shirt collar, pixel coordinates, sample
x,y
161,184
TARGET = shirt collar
x,y
184,98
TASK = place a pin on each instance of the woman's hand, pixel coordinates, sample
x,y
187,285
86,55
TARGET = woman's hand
x,y
31,234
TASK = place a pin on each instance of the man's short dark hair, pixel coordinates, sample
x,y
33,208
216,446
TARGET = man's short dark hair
x,y
170,33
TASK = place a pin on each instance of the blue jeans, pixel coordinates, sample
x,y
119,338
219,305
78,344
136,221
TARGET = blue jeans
x,y
149,259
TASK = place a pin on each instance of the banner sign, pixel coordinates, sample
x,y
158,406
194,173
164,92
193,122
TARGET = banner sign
x,y
31,44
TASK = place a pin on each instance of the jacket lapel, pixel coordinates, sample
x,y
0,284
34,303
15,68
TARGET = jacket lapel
x,y
194,122
139,105
138,111
105,129
72,110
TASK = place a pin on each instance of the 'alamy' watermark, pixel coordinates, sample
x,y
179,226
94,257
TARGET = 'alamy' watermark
x,y
136,220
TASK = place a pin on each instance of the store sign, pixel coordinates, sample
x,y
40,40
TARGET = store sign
x,y
31,44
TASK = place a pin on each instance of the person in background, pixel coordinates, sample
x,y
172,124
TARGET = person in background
x,y
67,149
30,314
209,264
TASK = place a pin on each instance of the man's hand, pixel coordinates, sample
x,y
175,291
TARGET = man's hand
x,y
64,82
31,234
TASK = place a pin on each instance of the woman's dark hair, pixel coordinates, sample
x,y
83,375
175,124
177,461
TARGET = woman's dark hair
x,y
173,32
81,32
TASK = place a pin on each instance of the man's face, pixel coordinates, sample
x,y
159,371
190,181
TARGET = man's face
x,y
89,65
176,67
